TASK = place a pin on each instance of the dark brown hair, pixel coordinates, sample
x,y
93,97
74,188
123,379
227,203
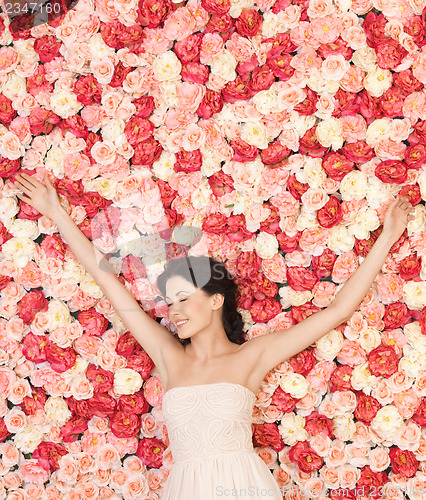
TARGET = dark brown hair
x,y
211,276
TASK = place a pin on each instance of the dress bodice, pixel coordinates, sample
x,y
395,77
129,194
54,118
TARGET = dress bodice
x,y
209,420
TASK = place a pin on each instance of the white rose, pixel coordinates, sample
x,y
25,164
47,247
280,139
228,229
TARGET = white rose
x,y
224,65
369,339
290,297
353,185
211,162
54,161
315,174
378,192
340,240
8,209
14,87
301,123
237,7
25,47
105,187
344,426
414,336
362,379
19,250
24,228
266,245
201,196
329,345
57,411
412,363
387,421
255,134
166,66
294,384
414,294
306,220
365,222
73,271
90,287
64,103
59,315
377,81
98,48
28,439
418,222
163,168
378,130
266,101
272,24
292,429
113,130
365,58
127,381
329,133
318,84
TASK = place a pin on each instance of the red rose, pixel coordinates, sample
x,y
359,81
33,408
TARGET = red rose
x,y
34,347
366,408
9,167
300,278
127,345
389,53
76,125
236,229
267,434
93,202
188,161
152,13
93,323
303,362
415,156
362,247
274,154
420,415
346,103
102,380
317,424
330,214
264,310
271,224
60,359
53,246
403,462
79,408
299,313
30,304
214,223
391,102
422,320
280,66
383,361
323,264
112,34
339,46
396,315
305,457
219,23
144,106
218,7
195,72
245,300
221,183
138,130
47,48
406,81
37,82
248,23
412,192
415,27
70,189
283,401
102,404
309,144
242,151
374,27
31,404
211,103
91,139
288,243
296,188
146,153
261,79
71,431
120,73
48,455
236,90
369,106
392,171
140,361
263,287
167,193
337,165
88,90
7,113
358,152
188,50
244,69
410,267
248,265
369,484
340,379
3,430
309,105
133,403
42,121
150,451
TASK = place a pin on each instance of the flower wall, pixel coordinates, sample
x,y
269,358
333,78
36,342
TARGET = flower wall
x,y
281,129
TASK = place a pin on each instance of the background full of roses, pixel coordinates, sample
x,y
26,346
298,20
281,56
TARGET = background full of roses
x,y
282,129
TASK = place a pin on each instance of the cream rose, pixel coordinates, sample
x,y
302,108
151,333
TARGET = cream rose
x,y
329,133
255,134
166,66
353,185
329,345
64,103
28,439
414,294
266,245
340,240
290,297
364,223
127,381
19,250
57,410
344,426
294,384
292,429
387,421
377,81
362,379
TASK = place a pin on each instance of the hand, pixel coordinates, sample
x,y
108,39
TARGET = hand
x,y
397,217
43,198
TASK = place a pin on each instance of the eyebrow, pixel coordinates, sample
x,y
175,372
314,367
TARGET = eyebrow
x,y
177,294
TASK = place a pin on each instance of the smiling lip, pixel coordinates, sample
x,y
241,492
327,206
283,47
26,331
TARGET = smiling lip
x,y
179,325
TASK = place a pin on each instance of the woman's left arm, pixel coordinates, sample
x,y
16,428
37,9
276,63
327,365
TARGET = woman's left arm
x,y
270,350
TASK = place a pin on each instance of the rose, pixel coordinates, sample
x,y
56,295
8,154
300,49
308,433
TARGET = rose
x,y
396,315
248,23
127,345
211,103
370,482
79,408
93,202
283,401
236,90
150,451
133,403
305,457
288,243
366,408
60,359
415,156
138,130
4,433
47,47
48,455
188,161
317,424
195,72
73,428
323,264
274,154
152,13
420,414
309,105
7,113
221,183
188,50
389,53
299,313
125,425
410,267
341,378
296,188
392,101
34,347
337,165
383,361
33,302
403,462
412,192
300,278
102,380
267,434
236,229
310,145
303,362
88,90
93,323
330,214
358,152
264,310
102,404
119,75
42,121
248,265
391,171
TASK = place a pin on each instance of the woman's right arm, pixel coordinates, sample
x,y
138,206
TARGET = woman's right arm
x,y
156,340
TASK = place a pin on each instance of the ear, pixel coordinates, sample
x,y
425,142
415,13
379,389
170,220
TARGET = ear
x,y
218,300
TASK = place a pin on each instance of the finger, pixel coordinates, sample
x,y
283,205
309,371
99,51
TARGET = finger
x,y
23,197
29,179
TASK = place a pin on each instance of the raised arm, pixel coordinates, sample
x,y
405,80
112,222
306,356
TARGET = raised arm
x,y
272,349
157,341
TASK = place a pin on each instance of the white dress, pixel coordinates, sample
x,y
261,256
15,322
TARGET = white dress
x,y
210,434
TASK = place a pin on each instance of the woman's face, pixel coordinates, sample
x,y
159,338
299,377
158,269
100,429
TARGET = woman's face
x,y
187,302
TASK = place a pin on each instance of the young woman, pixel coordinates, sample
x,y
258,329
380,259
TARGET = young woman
x,y
211,380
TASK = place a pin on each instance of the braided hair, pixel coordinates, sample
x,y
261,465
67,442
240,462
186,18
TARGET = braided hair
x,y
212,277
